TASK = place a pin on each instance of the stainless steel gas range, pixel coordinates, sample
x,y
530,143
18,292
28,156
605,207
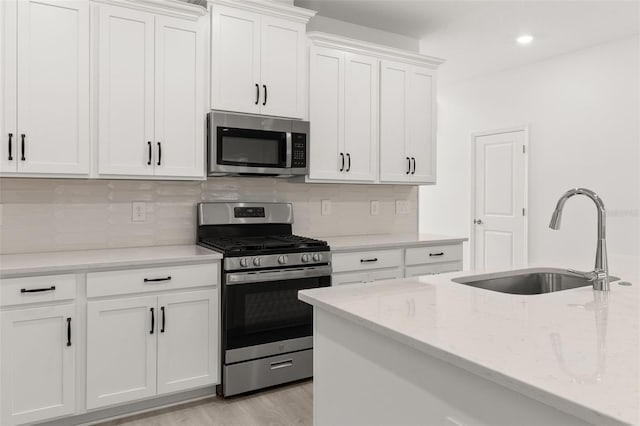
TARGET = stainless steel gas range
x,y
267,333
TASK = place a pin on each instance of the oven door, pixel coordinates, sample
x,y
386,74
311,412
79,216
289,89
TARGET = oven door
x,y
262,315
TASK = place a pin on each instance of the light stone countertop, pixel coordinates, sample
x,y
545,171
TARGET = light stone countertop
x,y
13,265
577,350
377,241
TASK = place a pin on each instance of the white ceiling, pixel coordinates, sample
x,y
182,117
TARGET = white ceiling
x,y
477,37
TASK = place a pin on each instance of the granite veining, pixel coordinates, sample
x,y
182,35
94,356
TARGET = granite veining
x,y
577,350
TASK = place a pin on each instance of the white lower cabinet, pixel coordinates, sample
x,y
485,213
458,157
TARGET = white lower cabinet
x,y
139,347
38,363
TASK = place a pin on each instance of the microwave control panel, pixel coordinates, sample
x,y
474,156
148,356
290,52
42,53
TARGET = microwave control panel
x,y
299,150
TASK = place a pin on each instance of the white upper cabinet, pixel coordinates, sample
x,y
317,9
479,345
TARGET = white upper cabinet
x,y
407,123
258,58
343,115
46,82
151,107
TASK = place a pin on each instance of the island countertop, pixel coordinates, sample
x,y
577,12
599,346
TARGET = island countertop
x,y
576,350
363,242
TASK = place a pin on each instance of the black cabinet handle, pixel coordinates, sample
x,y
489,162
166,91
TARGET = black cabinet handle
x,y
375,259
155,280
264,86
10,147
436,254
414,165
408,165
257,93
149,160
163,319
37,290
349,162
159,153
68,331
22,136
153,321
342,166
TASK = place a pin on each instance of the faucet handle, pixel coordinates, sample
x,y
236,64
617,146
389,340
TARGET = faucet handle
x,y
591,275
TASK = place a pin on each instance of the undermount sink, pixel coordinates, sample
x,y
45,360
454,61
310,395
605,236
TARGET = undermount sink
x,y
527,281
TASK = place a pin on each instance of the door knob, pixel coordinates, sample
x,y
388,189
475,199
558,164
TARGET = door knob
x,y
477,221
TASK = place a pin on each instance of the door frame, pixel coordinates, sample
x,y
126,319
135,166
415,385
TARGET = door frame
x,y
472,206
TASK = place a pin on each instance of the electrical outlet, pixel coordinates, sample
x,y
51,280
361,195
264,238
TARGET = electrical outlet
x,y
325,207
375,208
138,211
402,207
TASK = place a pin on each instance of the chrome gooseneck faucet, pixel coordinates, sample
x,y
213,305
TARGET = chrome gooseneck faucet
x,y
600,275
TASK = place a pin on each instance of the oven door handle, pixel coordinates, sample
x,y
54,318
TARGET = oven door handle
x,y
276,275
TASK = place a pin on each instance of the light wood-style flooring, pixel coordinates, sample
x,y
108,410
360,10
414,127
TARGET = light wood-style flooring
x,y
285,405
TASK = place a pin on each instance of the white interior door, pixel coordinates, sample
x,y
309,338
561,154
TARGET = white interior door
x,y
53,87
38,364
179,111
187,340
500,197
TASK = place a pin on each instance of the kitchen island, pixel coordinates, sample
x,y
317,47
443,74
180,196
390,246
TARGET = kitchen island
x,y
430,351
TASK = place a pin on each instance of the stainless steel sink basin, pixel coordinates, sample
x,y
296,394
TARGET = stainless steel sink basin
x,y
527,281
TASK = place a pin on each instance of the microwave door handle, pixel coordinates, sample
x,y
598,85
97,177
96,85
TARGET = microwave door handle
x,y
289,151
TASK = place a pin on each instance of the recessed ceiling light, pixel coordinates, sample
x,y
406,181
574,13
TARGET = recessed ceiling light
x,y
525,39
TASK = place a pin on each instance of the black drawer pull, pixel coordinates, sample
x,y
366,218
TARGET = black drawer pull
x,y
375,259
149,160
68,331
163,319
37,290
264,86
436,254
10,147
155,280
153,321
22,158
159,153
257,93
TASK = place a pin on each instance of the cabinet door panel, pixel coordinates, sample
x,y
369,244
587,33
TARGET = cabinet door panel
x,y
121,350
38,367
125,91
326,114
235,60
8,87
179,110
394,81
421,125
187,340
349,278
361,117
282,56
386,274
53,87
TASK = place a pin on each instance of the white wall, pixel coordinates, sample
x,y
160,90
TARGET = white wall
x,y
583,114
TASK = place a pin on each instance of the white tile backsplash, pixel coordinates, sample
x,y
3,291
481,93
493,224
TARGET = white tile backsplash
x,y
39,215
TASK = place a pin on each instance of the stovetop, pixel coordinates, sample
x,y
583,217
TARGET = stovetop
x,y
266,244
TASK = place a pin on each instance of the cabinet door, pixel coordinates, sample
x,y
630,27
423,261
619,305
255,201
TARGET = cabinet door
x,y
361,117
386,274
187,340
8,86
179,107
121,350
349,278
282,67
326,116
53,87
125,91
421,141
235,60
394,85
38,364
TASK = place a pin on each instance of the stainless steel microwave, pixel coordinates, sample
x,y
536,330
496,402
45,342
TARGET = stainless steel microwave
x,y
244,145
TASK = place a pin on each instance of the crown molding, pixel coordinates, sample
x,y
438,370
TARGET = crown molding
x,y
175,8
269,7
371,49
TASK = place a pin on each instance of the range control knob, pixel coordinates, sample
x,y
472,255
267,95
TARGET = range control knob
x,y
256,261
317,257
244,262
282,259
306,258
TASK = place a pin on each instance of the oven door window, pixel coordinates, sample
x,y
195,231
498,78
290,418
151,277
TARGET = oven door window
x,y
267,312
251,148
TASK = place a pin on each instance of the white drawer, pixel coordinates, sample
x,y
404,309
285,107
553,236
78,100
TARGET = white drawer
x,y
435,268
365,260
129,281
433,254
48,288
